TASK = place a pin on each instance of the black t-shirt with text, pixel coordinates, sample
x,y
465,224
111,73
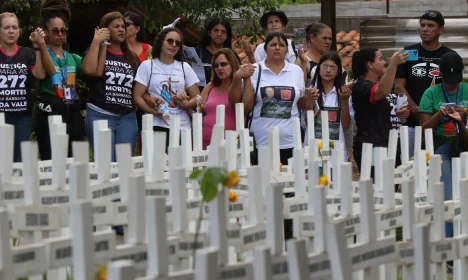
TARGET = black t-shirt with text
x,y
373,119
113,91
15,81
421,74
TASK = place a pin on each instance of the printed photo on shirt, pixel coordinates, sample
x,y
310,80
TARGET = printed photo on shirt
x,y
166,92
394,119
64,89
277,102
334,121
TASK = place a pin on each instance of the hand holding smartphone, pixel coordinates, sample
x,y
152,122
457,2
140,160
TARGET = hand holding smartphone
x,y
413,55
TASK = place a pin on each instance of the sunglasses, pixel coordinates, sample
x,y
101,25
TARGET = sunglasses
x,y
222,64
430,14
171,42
57,31
127,24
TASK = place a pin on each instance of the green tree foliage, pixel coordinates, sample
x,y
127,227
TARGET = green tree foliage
x,y
28,13
296,2
249,10
161,12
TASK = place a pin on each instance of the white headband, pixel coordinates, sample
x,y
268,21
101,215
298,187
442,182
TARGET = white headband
x,y
172,24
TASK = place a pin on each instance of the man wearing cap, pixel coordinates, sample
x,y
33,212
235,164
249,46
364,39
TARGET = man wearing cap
x,y
274,21
435,104
415,76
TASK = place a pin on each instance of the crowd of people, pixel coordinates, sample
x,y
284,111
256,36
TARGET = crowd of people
x,y
127,78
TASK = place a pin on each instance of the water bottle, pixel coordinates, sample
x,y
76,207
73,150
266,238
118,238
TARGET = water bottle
x,y
165,111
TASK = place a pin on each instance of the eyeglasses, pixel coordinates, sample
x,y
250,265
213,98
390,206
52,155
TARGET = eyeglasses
x,y
326,67
57,31
222,64
128,23
171,42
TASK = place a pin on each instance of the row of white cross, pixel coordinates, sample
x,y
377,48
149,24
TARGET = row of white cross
x,y
64,198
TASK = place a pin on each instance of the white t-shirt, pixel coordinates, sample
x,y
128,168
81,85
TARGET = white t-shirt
x,y
330,101
276,103
162,78
260,54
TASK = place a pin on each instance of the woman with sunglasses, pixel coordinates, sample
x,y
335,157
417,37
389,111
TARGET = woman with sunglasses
x,y
224,66
137,42
18,65
58,93
136,36
167,70
216,36
111,70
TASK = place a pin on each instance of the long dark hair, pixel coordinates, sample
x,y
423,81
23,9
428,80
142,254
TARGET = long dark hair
x,y
130,56
338,79
159,40
360,60
138,21
206,39
55,9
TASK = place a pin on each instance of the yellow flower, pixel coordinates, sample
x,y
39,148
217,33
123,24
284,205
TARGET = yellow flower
x,y
281,166
232,179
428,156
320,145
233,196
332,144
102,274
323,181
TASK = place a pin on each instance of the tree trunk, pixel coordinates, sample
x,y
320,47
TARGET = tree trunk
x,y
328,17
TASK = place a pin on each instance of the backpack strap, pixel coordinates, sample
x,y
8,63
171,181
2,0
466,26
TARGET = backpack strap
x,y
293,45
151,75
255,94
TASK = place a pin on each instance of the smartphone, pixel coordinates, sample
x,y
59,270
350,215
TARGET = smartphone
x,y
447,106
413,55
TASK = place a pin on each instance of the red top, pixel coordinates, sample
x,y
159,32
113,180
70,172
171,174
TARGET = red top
x,y
144,52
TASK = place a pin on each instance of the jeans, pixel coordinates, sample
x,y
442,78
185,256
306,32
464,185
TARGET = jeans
x,y
22,127
124,129
444,152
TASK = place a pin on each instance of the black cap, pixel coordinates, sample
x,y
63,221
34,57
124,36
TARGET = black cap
x,y
278,13
435,16
451,68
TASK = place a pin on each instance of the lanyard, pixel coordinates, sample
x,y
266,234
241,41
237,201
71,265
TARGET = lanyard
x,y
64,67
448,97
450,101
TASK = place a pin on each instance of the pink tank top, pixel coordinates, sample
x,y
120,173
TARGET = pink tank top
x,y
215,99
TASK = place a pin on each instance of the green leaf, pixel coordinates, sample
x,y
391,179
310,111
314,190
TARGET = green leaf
x,y
195,174
211,178
208,188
